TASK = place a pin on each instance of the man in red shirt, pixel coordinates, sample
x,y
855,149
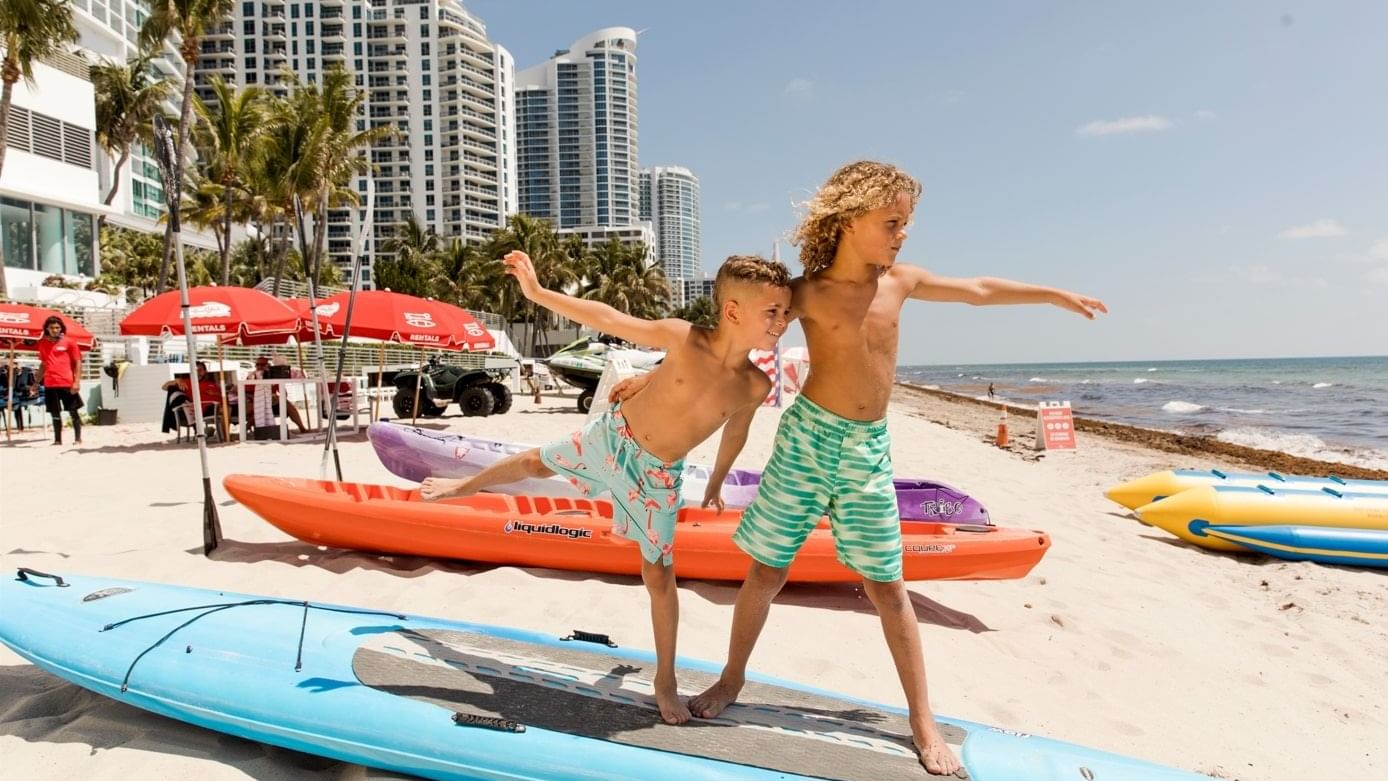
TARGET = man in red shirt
x,y
61,377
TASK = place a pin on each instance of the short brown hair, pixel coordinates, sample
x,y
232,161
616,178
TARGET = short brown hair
x,y
851,191
748,269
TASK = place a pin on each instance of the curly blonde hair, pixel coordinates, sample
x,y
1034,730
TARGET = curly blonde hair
x,y
851,191
748,269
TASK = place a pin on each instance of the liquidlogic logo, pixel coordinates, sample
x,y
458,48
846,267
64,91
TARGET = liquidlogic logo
x,y
937,509
553,529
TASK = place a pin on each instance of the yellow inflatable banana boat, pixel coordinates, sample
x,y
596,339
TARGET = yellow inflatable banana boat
x,y
1145,490
1189,513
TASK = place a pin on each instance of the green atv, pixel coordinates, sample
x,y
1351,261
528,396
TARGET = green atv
x,y
478,392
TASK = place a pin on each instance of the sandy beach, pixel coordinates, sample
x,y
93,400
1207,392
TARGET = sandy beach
x,y
1123,638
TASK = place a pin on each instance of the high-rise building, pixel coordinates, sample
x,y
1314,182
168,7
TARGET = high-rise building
x,y
670,201
427,70
576,133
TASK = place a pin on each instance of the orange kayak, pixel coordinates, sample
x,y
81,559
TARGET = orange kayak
x,y
576,534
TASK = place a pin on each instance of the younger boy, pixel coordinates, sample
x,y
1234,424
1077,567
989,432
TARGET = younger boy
x,y
636,449
832,453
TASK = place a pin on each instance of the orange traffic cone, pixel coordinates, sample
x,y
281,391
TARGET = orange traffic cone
x,y
1002,428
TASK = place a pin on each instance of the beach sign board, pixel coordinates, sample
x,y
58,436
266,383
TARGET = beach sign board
x,y
1055,426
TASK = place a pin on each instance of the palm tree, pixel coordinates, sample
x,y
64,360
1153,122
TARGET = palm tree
x,y
412,243
229,131
700,311
554,267
619,276
284,169
413,270
469,276
190,19
127,99
30,30
339,157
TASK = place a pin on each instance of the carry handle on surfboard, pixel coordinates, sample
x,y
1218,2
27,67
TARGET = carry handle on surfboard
x,y
25,572
590,637
487,722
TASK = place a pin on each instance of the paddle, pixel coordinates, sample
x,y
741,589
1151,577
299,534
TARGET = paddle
x,y
173,194
330,443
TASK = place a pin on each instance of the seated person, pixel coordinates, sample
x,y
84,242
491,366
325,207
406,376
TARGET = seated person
x,y
264,371
181,395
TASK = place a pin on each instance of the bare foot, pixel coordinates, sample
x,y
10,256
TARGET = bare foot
x,y
715,698
672,708
935,755
436,488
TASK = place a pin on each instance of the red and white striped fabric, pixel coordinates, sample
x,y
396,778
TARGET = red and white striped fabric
x,y
769,361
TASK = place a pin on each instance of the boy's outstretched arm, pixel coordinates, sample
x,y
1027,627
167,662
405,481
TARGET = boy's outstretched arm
x,y
734,438
665,334
992,291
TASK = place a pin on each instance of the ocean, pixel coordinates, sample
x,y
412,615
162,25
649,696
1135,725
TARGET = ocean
x,y
1334,409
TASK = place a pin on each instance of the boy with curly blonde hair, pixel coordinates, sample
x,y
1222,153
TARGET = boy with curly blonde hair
x,y
832,453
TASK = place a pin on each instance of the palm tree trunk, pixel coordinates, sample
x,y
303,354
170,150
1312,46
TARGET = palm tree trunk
x,y
280,257
226,245
11,75
320,234
190,53
259,249
115,185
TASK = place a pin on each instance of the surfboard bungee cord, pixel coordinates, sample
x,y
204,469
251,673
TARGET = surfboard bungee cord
x,y
217,608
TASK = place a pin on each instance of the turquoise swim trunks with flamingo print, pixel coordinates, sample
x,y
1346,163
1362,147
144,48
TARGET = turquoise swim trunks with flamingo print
x,y
605,457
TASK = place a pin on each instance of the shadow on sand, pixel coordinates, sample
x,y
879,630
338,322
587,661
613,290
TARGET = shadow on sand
x,y
827,596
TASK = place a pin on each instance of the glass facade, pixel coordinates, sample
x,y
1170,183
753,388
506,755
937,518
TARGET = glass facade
x,y
42,237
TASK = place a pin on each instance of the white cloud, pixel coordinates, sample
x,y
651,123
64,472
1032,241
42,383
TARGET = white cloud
x,y
1205,114
1378,276
1257,274
800,88
733,206
1326,227
1379,251
757,207
1125,125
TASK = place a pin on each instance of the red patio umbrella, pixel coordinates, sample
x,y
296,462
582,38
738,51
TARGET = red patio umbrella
x,y
214,311
22,323
229,313
396,317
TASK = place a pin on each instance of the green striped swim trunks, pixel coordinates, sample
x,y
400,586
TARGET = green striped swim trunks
x,y
822,463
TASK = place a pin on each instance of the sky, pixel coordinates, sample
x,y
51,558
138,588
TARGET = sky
x,y
1217,173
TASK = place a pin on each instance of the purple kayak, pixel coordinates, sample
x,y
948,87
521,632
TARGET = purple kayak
x,y
414,454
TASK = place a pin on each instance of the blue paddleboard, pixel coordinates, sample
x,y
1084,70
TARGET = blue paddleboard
x,y
452,700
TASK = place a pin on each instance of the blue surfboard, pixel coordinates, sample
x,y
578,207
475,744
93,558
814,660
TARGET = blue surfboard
x,y
453,700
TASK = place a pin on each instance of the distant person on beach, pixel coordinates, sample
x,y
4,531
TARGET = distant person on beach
x,y
990,390
832,453
636,449
60,374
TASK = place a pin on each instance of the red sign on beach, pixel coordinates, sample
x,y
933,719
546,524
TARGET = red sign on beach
x,y
1055,426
